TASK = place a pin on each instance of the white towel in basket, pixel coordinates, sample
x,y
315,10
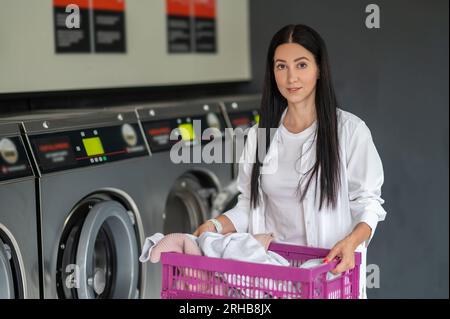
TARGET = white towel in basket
x,y
311,263
243,247
238,246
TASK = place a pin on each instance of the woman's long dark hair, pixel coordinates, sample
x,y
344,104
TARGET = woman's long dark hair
x,y
273,104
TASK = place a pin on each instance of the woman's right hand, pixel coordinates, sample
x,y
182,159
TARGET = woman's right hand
x,y
206,226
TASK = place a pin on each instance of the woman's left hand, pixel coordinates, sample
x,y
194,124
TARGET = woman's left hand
x,y
345,251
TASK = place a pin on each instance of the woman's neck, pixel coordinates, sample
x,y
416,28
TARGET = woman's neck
x,y
300,116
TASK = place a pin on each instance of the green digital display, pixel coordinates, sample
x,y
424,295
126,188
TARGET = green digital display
x,y
93,146
187,131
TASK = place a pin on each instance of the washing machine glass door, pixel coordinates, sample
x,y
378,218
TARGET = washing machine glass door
x,y
6,276
186,209
107,253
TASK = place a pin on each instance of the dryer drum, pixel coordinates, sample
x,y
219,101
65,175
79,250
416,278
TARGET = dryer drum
x,y
98,253
11,283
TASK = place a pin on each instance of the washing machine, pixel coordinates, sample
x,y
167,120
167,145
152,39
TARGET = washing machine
x,y
191,169
93,201
242,113
19,260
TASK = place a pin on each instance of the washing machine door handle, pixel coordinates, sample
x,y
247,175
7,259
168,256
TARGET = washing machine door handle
x,y
124,242
6,277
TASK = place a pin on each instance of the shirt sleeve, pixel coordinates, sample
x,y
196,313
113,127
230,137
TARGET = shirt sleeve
x,y
365,178
239,214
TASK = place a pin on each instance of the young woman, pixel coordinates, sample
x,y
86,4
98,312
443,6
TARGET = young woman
x,y
320,182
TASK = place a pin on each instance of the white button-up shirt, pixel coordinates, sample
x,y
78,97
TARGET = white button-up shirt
x,y
358,198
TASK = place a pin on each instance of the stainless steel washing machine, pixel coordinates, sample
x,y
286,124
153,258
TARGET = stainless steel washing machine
x,y
19,260
92,199
189,184
242,112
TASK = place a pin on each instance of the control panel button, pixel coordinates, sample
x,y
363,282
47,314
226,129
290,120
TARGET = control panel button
x,y
129,135
213,121
8,151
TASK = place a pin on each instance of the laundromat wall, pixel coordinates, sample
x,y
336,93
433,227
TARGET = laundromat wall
x,y
394,77
145,56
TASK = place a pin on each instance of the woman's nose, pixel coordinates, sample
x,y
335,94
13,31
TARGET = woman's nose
x,y
292,77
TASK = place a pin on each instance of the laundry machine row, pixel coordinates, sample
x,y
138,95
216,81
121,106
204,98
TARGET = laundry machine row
x,y
92,202
100,191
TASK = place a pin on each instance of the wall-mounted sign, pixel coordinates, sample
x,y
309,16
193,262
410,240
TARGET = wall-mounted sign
x,y
109,25
72,26
191,26
85,26
205,25
179,26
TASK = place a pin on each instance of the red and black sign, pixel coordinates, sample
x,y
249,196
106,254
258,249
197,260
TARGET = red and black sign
x,y
191,26
179,34
72,26
205,25
84,26
109,25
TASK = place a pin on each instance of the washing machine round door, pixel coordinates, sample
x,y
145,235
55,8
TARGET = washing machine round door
x,y
188,205
6,276
107,253
11,277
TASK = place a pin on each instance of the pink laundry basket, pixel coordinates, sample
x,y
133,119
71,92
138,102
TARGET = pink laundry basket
x,y
200,277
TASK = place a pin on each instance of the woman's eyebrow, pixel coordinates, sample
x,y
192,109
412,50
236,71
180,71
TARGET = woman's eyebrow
x,y
298,59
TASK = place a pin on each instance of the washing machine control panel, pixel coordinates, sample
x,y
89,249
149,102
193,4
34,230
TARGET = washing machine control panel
x,y
190,130
87,147
14,162
244,119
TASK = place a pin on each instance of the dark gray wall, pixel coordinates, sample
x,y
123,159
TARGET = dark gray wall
x,y
396,79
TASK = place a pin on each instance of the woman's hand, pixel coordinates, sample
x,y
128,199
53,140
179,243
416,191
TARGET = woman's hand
x,y
207,226
345,251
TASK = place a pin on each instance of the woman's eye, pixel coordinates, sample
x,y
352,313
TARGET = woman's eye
x,y
280,66
302,65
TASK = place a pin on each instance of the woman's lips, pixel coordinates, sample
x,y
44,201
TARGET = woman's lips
x,y
293,90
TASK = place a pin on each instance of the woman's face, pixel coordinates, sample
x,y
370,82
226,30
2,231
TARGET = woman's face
x,y
296,72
